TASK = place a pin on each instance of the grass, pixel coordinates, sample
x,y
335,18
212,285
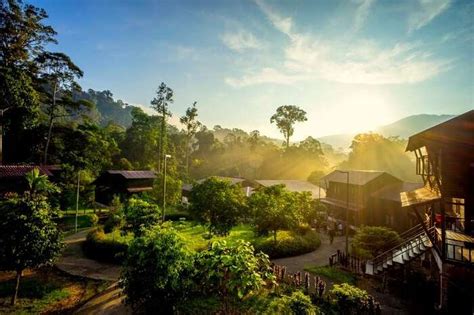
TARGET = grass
x,y
334,274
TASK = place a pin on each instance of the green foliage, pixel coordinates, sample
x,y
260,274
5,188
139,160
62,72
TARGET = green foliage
x,y
156,274
348,299
233,271
370,241
140,215
285,117
297,303
91,219
217,203
99,247
173,190
288,244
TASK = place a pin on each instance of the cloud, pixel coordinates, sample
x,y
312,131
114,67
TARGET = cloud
x,y
283,24
427,11
362,13
349,61
241,41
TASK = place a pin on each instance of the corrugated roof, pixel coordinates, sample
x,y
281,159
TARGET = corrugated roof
x,y
21,170
419,196
459,129
134,174
392,192
294,185
358,177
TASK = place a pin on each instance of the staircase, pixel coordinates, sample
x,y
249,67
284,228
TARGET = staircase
x,y
415,242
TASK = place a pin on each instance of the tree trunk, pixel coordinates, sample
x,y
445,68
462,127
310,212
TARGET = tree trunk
x,y
275,236
287,140
187,158
17,286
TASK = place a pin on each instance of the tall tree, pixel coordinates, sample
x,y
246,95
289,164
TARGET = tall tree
x,y
58,75
23,36
285,117
164,97
29,237
191,124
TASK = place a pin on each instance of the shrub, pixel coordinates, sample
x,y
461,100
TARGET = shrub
x,y
140,215
91,219
233,271
297,303
291,244
113,222
370,241
100,248
157,271
348,299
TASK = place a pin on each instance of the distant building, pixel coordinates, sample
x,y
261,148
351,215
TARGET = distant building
x,y
12,177
122,183
294,185
373,199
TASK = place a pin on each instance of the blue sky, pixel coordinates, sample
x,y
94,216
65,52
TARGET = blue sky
x,y
352,65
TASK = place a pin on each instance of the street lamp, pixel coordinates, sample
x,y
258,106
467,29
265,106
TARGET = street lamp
x,y
347,210
167,156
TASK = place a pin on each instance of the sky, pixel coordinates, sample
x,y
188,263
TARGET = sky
x,y
351,65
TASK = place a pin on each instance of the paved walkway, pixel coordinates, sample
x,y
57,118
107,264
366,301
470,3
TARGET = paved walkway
x,y
75,263
319,257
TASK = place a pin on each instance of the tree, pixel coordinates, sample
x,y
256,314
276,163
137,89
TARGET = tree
x,y
58,74
370,241
157,271
23,36
285,117
297,303
192,125
232,272
173,189
140,215
272,209
164,97
29,237
217,203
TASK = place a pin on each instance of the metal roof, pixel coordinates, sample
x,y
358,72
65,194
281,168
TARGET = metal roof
x,y
459,129
134,174
294,185
358,177
21,170
419,196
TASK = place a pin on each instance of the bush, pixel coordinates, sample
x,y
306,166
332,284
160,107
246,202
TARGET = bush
x,y
91,219
348,299
297,303
157,271
370,241
113,222
140,215
97,246
292,244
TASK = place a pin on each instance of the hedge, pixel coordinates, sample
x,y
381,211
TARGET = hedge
x,y
100,248
292,245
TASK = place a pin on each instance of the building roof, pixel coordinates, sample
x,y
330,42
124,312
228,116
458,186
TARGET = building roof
x,y
419,196
294,185
21,170
392,192
358,177
459,129
134,174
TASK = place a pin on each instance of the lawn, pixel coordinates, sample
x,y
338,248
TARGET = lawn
x,y
333,274
46,290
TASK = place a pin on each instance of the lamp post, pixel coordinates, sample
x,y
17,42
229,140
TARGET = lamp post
x,y
167,156
347,211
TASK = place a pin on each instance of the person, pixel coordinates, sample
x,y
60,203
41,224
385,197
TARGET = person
x,y
331,232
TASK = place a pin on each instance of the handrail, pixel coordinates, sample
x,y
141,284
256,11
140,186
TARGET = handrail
x,y
406,235
384,254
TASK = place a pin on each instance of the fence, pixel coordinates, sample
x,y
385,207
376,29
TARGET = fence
x,y
348,261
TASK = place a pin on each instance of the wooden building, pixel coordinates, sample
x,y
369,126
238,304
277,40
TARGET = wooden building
x,y
374,198
12,177
122,183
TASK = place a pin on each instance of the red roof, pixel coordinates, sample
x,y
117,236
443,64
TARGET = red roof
x,y
21,170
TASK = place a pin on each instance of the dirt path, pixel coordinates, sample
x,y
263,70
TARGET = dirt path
x,y
75,263
319,257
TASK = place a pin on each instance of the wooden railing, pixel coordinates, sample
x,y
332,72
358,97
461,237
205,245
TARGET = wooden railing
x,y
347,261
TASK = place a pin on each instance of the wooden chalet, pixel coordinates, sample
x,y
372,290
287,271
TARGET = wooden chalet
x,y
374,198
12,177
122,183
